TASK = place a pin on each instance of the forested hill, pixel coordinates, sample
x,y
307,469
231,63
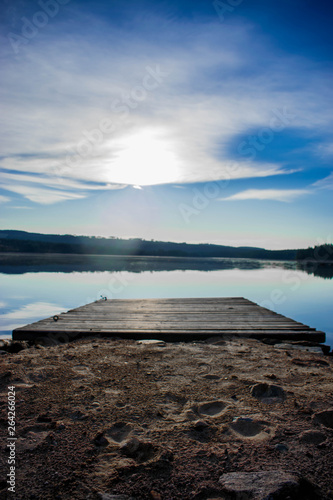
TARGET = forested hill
x,y
21,241
319,253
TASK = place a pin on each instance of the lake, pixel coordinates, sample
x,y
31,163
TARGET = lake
x,y
34,287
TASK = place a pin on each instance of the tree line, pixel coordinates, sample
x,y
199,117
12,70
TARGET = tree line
x,y
24,242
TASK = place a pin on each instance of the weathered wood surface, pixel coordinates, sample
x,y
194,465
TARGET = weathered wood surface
x,y
170,319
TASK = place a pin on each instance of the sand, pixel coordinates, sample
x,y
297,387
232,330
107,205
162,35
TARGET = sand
x,y
152,420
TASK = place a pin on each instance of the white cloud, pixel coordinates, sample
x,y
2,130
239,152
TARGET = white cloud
x,y
36,188
44,196
75,83
4,199
33,310
285,195
326,183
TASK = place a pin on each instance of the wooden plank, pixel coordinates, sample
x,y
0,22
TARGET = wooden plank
x,y
165,326
171,318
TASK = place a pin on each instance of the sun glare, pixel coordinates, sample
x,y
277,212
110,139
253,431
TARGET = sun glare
x,y
145,158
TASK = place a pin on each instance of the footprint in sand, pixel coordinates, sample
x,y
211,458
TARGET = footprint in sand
x,y
212,409
32,437
119,431
249,428
268,393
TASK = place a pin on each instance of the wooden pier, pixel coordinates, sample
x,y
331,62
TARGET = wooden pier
x,y
170,319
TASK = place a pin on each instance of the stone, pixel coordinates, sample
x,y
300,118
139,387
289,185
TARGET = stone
x,y
138,450
200,425
155,495
151,342
324,417
259,485
283,448
268,393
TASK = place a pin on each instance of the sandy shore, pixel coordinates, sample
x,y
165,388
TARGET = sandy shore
x,y
119,419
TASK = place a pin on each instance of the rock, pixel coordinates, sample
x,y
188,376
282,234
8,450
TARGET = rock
x,y
151,342
324,417
155,495
283,448
259,485
200,425
139,450
312,437
268,393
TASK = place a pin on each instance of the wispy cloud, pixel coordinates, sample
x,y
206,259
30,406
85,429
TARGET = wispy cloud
x,y
91,118
326,183
284,195
44,196
4,199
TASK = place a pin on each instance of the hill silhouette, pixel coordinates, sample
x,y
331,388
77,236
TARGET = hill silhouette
x,y
26,242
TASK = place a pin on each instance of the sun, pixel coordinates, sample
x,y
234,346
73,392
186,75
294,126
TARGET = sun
x,y
145,158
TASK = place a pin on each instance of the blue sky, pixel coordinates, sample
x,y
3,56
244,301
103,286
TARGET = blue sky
x,y
188,121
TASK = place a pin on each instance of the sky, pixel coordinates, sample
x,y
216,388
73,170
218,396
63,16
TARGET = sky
x,y
190,121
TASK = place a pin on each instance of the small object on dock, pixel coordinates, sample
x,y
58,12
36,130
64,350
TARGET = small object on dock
x,y
175,320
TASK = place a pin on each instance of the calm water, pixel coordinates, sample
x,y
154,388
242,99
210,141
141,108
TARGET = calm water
x,y
35,287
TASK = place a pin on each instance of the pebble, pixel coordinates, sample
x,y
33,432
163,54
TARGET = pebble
x,y
200,425
283,448
155,495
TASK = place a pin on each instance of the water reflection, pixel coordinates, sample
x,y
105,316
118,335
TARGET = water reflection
x,y
55,263
322,270
34,287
